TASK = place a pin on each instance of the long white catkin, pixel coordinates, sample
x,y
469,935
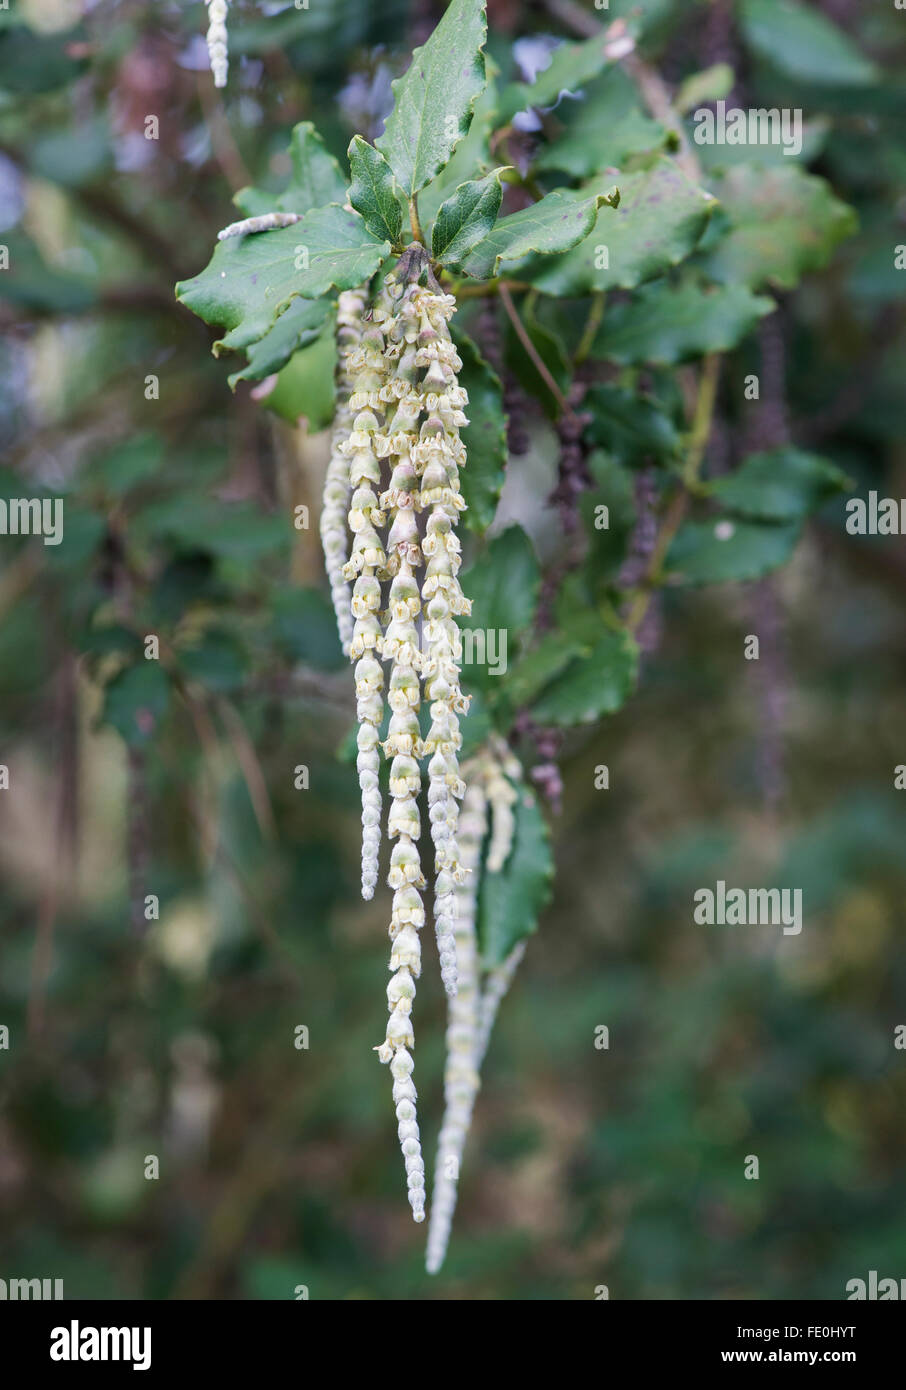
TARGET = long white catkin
x,y
366,566
439,455
217,40
489,795
335,507
461,1077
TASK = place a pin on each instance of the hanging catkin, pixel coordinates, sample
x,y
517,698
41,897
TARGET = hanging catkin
x,y
366,567
404,412
489,797
217,40
460,1071
335,507
440,454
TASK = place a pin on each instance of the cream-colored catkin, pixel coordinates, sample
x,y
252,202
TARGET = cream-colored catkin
x,y
499,766
217,40
400,400
439,455
461,1073
263,222
496,984
335,506
365,568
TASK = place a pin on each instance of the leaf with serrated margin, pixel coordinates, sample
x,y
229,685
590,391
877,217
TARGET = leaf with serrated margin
x,y
661,217
466,218
374,191
783,222
472,155
316,179
596,684
434,98
303,321
251,279
557,222
665,324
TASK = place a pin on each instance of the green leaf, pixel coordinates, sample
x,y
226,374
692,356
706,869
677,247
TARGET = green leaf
x,y
302,323
724,549
554,224
607,545
572,65
538,668
783,222
511,901
466,218
779,485
136,700
596,684
602,130
804,44
434,99
632,427
665,323
305,389
374,191
472,155
251,279
503,584
316,179
484,437
660,217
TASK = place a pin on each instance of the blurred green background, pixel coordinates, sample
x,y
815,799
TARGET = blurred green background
x,y
278,1166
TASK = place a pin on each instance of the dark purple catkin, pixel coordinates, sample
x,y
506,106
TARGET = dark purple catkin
x,y
545,773
644,535
573,475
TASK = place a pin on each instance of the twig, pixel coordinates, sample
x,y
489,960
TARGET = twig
x,y
698,441
506,300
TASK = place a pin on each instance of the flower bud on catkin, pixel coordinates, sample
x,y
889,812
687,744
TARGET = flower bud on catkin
x,y
217,40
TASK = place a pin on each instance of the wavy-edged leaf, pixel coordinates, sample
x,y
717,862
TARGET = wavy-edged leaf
x,y
554,224
435,97
472,155
779,485
665,324
596,684
659,220
303,321
251,279
511,901
466,218
374,191
316,179
484,437
725,549
783,222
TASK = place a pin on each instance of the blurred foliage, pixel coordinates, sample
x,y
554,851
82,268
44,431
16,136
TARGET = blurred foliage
x,y
191,514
